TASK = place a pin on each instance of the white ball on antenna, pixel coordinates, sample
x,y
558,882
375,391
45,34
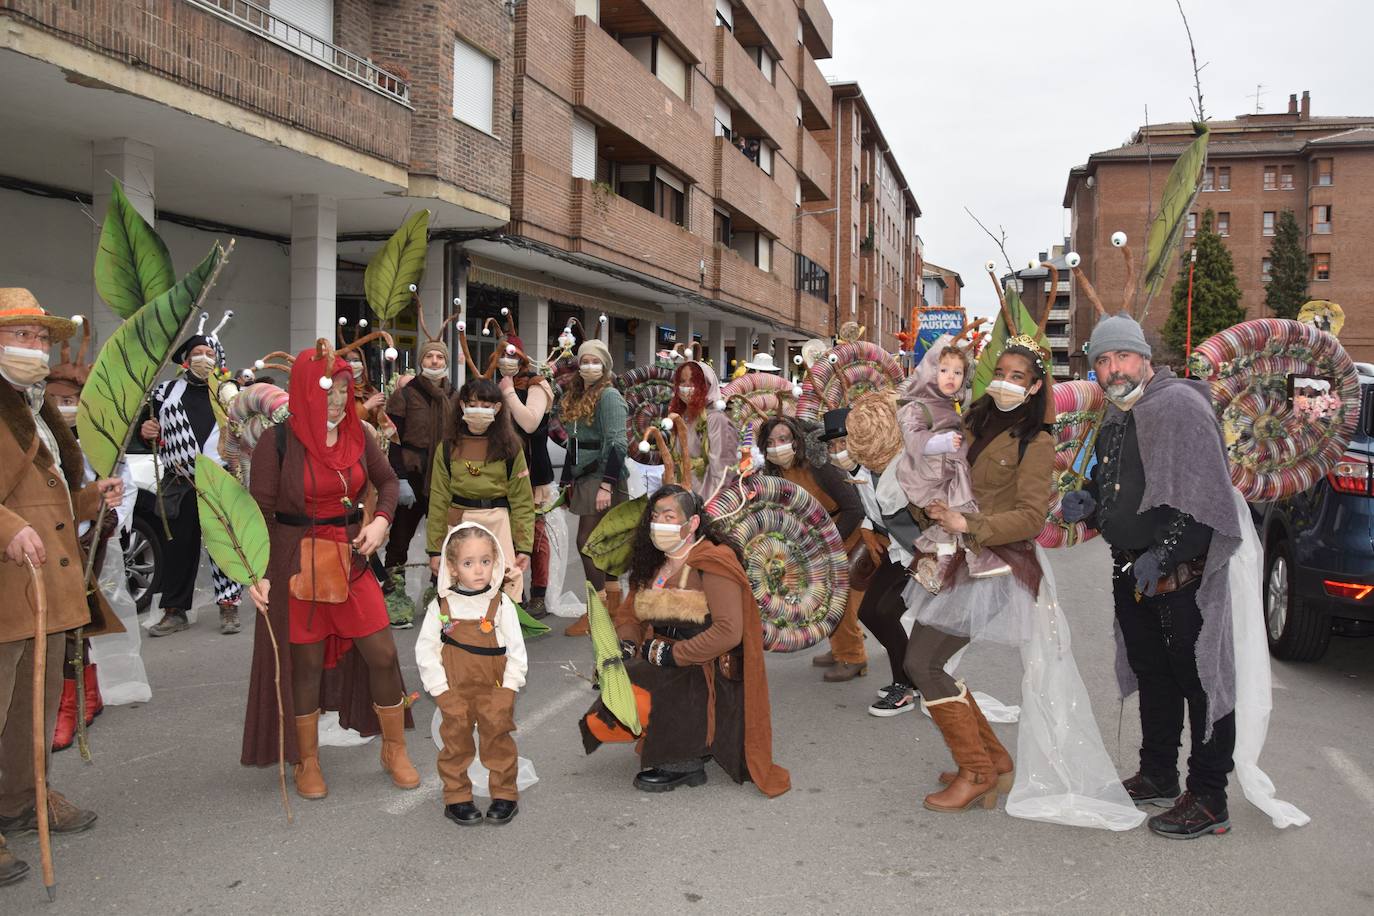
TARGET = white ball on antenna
x,y
461,326
834,358
510,349
990,266
390,353
78,320
413,287
720,405
343,322
504,311
486,332
797,359
326,382
457,301
1118,239
1073,259
602,319
362,322
259,364
644,448
667,424
796,391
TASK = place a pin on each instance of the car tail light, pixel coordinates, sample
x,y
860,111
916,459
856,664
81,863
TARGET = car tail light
x,y
1352,474
1355,591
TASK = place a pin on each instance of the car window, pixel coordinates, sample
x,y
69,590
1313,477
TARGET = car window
x,y
1365,428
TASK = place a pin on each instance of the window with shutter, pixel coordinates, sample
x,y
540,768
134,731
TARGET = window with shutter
x,y
723,122
583,149
313,16
473,78
765,258
671,69
589,8
725,14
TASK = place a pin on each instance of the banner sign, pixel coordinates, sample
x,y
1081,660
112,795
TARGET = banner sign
x,y
934,324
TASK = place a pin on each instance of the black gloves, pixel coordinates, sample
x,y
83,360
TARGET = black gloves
x,y
659,652
1077,505
1147,570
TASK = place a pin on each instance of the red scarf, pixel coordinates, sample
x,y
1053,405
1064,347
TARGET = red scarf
x,y
310,411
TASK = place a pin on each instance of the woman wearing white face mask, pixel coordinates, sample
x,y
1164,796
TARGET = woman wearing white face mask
x,y
480,476
593,414
712,439
690,632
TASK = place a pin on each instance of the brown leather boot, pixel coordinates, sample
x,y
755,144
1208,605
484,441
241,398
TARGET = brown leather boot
x,y
395,760
1001,760
845,671
579,627
976,781
610,596
309,778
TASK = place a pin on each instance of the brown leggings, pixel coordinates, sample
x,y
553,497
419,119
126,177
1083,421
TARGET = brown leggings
x,y
586,524
378,651
927,652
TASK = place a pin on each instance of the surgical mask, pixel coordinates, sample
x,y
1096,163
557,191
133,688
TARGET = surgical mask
x,y
24,366
842,459
508,365
1006,395
201,366
686,391
666,537
435,375
333,424
782,455
479,418
357,371
590,372
67,412
1127,401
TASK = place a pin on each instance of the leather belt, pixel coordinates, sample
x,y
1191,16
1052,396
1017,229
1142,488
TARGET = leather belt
x,y
1184,575
305,521
501,503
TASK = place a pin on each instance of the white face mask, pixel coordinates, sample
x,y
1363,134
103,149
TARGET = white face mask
x,y
782,455
478,418
843,460
1006,395
435,375
201,365
23,365
68,413
357,371
1127,401
666,537
508,365
590,372
333,424
685,391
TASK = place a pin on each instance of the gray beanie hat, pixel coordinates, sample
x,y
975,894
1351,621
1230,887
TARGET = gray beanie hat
x,y
1119,332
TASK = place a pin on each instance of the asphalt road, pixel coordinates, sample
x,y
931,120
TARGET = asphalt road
x,y
184,829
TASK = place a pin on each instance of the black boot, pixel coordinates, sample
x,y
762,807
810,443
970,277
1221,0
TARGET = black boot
x,y
537,608
1146,791
502,811
661,780
1192,817
465,813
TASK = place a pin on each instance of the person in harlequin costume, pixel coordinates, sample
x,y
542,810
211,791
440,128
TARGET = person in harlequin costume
x,y
309,477
712,440
472,660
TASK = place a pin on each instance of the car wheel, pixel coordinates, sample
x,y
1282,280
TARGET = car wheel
x,y
142,563
1297,631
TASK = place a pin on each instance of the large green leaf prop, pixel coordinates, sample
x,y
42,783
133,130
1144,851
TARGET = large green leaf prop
x,y
1179,190
987,362
232,524
608,546
398,266
129,363
132,266
616,690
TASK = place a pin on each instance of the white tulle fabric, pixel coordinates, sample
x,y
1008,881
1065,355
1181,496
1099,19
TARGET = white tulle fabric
x,y
1063,772
123,678
1253,683
558,529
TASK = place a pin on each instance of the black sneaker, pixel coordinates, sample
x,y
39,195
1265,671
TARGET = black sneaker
x,y
537,608
1145,791
465,813
1192,817
898,698
502,811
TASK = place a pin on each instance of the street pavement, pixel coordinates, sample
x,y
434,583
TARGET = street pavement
x,y
185,829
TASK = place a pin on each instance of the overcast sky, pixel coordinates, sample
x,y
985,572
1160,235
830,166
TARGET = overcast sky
x,y
988,105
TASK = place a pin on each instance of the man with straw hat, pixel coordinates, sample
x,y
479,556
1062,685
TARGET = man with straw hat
x,y
41,502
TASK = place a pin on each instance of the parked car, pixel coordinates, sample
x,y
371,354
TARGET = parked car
x,y
1319,551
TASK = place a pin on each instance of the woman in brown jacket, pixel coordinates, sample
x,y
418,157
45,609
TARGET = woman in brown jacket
x,y
309,476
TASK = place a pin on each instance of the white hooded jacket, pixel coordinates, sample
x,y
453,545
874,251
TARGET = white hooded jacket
x,y
429,646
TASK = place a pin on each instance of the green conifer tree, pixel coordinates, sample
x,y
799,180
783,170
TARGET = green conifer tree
x,y
1216,293
1287,289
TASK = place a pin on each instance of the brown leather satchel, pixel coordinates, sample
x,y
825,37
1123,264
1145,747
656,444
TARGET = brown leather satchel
x,y
324,571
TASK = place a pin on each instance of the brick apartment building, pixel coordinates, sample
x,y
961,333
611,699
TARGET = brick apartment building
x,y
872,218
1258,166
663,154
1032,285
307,129
941,286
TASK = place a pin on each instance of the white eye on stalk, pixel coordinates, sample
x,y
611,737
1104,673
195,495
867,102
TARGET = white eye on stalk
x,y
1118,239
391,353
326,382
1073,259
644,448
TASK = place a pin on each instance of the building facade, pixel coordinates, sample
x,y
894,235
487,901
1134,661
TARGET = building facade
x,y
941,286
872,216
307,130
1258,166
663,153
1032,284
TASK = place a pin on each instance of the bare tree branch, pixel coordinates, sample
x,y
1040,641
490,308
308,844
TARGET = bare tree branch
x,y
1001,242
1199,114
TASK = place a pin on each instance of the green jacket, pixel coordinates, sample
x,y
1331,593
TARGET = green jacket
x,y
509,480
600,442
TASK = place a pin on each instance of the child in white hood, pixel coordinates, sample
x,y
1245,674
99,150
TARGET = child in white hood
x,y
472,661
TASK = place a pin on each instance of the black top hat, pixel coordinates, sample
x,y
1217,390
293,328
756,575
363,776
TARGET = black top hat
x,y
835,424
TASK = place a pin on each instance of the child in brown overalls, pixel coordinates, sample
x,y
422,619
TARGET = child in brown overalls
x,y
472,661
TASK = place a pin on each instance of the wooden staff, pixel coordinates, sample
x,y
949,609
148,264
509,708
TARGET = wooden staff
x,y
40,732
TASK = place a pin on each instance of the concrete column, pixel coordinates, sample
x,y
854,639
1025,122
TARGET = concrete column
x,y
646,339
763,343
314,257
685,326
744,345
455,348
432,291
132,163
534,325
715,347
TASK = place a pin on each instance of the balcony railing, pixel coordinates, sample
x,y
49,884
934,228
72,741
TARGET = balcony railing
x,y
255,18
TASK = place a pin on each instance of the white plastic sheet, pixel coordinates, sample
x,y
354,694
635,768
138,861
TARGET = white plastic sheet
x,y
480,775
1254,699
332,734
123,679
642,479
558,529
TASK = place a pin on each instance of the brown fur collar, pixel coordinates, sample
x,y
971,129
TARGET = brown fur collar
x,y
682,606
18,419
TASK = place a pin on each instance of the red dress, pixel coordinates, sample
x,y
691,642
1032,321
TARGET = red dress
x,y
363,612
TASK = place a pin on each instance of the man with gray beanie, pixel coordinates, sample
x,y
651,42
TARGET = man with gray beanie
x,y
1161,495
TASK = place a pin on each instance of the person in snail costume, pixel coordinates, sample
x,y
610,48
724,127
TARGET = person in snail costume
x,y
712,438
180,423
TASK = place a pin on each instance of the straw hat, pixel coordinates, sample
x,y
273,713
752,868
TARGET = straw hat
x,y
18,306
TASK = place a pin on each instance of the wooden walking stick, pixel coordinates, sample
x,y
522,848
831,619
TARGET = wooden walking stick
x,y
40,731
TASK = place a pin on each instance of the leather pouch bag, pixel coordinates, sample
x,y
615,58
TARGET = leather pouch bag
x,y
324,571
